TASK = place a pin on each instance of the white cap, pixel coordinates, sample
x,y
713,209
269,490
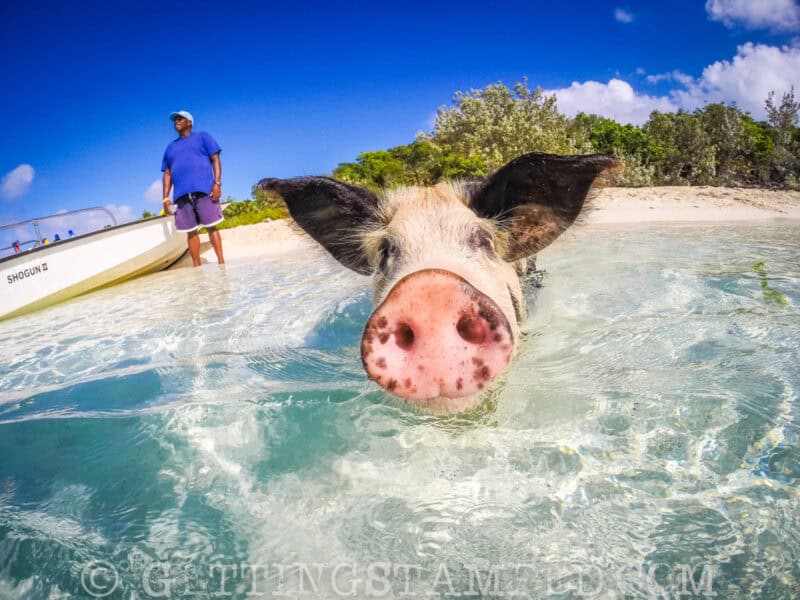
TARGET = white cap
x,y
181,113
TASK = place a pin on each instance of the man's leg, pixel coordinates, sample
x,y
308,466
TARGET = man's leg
x,y
186,220
193,239
209,213
216,242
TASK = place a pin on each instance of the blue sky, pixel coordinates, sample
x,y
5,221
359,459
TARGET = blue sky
x,y
294,90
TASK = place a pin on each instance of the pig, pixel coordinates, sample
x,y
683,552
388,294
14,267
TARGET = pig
x,y
445,262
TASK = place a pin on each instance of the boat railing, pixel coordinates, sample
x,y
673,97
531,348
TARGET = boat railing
x,y
41,231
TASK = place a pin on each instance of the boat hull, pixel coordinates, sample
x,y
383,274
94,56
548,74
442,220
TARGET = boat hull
x,y
54,273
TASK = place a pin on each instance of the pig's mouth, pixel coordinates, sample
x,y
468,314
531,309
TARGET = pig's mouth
x,y
436,341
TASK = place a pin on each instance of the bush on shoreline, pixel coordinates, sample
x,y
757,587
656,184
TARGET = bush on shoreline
x,y
265,207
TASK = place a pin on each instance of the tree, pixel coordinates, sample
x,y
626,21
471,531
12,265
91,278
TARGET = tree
x,y
627,142
682,150
427,163
783,118
759,151
422,162
609,137
146,214
378,169
725,129
262,200
497,124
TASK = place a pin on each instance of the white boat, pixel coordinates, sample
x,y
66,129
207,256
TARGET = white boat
x,y
53,272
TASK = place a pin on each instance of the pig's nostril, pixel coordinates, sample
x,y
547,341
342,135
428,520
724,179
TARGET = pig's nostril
x,y
471,329
404,336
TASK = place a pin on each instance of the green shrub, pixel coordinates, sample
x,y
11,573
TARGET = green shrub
x,y
422,162
248,212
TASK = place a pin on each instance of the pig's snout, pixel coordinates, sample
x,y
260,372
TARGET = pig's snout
x,y
435,336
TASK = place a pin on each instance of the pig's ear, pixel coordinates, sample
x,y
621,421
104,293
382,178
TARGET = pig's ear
x,y
537,196
331,212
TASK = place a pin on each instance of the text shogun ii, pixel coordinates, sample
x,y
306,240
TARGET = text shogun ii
x,y
446,262
25,273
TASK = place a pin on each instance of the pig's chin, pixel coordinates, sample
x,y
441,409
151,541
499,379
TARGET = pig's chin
x,y
442,405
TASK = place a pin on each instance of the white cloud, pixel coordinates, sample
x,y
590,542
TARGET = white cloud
x,y
682,77
658,78
122,212
623,16
778,15
153,192
672,76
62,221
615,99
17,181
747,79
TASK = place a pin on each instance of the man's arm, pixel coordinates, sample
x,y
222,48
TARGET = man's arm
x,y
166,185
216,188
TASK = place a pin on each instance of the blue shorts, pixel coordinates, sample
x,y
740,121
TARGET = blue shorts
x,y
194,211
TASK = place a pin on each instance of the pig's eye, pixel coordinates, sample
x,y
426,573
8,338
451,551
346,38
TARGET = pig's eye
x,y
388,251
480,239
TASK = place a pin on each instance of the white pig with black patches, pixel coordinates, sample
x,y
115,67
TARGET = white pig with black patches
x,y
445,262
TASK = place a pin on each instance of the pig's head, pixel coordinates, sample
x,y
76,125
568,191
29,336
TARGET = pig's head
x,y
445,262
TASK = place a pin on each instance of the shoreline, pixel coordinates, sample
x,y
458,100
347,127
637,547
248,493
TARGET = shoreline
x,y
701,205
684,204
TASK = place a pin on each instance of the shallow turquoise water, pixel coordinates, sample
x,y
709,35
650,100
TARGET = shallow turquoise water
x,y
209,433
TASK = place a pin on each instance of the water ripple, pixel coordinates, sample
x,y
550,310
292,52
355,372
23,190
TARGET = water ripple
x,y
650,422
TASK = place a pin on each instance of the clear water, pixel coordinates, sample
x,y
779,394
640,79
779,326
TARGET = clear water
x,y
209,433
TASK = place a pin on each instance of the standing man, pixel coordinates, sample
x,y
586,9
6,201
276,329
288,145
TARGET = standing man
x,y
192,163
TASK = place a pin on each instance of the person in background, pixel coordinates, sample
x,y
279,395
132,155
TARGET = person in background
x,y
17,248
191,163
46,241
56,238
70,233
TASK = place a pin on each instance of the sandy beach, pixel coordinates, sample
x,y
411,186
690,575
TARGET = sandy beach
x,y
610,206
692,204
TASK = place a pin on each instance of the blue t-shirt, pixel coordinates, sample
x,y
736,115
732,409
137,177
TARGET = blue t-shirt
x,y
189,162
